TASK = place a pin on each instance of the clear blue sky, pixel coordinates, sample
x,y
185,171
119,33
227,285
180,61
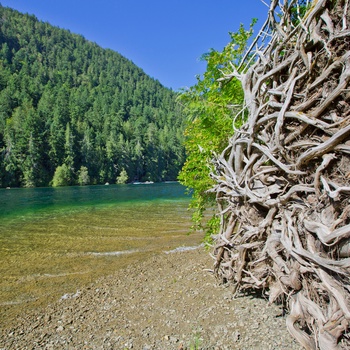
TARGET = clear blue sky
x,y
163,37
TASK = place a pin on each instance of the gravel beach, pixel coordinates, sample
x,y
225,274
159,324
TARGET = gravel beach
x,y
169,301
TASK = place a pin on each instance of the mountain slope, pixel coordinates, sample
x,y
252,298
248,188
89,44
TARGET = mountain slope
x,y
82,113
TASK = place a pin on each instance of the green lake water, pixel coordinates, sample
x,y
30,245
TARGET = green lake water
x,y
53,241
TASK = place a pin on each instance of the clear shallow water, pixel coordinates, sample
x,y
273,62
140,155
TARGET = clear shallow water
x,y
55,240
20,201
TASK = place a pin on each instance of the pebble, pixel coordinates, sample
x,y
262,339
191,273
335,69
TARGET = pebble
x,y
194,309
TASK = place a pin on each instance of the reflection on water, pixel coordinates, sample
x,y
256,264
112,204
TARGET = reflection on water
x,y
53,241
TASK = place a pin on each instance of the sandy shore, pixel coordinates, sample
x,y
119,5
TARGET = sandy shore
x,y
170,301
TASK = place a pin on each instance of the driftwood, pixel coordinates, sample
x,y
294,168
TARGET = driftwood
x,y
283,182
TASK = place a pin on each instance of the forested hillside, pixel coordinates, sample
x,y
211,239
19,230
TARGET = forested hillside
x,y
72,112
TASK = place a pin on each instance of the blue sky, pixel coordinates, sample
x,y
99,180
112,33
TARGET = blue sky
x,y
163,37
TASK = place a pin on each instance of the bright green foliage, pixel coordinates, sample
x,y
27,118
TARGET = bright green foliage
x,y
62,176
66,101
211,106
83,176
123,177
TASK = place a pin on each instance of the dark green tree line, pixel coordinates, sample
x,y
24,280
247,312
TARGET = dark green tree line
x,y
67,104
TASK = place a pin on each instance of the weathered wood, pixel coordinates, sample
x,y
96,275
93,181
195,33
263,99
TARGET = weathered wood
x,y
283,182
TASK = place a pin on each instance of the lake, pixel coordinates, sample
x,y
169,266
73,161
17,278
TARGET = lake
x,y
53,241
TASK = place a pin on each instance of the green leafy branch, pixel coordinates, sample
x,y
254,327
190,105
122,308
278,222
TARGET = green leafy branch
x,y
210,106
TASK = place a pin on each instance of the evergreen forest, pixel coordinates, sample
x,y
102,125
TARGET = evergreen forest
x,y
72,112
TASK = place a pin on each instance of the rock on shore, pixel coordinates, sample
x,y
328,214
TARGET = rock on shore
x,y
167,302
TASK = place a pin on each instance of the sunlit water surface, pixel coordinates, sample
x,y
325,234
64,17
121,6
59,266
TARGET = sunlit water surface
x,y
53,241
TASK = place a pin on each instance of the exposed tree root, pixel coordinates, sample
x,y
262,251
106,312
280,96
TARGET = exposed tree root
x,y
283,182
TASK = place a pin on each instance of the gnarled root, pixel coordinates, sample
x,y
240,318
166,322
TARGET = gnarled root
x,y
283,182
